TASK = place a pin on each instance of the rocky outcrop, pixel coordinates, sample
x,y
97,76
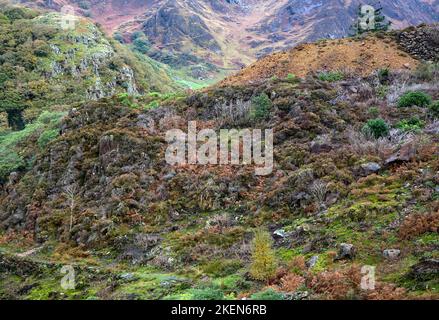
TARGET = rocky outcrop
x,y
421,42
425,270
88,55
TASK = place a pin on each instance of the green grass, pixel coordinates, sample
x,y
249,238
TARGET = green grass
x,y
330,76
45,130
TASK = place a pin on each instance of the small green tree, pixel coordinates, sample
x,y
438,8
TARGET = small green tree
x,y
261,106
381,21
264,264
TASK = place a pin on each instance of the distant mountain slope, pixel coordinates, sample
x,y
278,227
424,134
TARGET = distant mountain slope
x,y
228,34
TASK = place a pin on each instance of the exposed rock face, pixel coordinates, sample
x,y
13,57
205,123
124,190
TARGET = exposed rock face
x,y
421,42
425,270
170,26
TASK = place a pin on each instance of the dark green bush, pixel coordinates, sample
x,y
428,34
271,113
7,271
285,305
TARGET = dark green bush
x,y
414,98
17,13
378,128
137,34
261,106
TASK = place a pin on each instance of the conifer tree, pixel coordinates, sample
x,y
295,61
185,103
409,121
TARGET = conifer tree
x,y
381,21
264,264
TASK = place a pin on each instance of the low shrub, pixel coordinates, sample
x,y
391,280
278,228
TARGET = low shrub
x,y
378,128
207,294
330,76
9,162
414,98
412,124
142,45
427,71
336,285
12,160
374,112
291,282
268,294
291,77
118,37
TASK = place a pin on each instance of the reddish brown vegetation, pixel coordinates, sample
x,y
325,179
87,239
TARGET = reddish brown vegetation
x,y
418,224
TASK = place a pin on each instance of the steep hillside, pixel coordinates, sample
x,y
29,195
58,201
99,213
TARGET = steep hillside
x,y
355,183
205,38
45,69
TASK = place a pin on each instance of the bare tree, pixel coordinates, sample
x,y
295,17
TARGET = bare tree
x,y
70,192
319,189
232,113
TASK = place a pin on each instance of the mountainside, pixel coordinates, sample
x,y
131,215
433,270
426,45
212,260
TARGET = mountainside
x,y
206,38
354,184
45,70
